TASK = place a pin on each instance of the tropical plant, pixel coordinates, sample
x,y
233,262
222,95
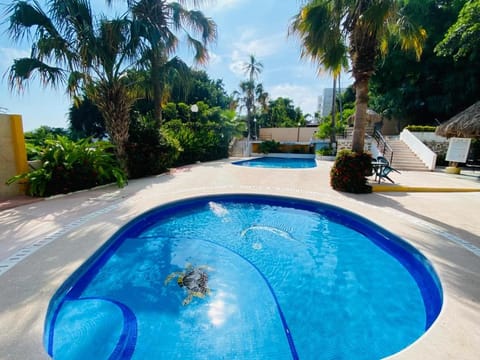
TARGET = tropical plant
x,y
156,22
202,136
150,151
71,46
70,166
366,26
349,172
269,146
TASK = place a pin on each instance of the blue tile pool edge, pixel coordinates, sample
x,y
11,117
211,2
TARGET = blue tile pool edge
x,y
419,267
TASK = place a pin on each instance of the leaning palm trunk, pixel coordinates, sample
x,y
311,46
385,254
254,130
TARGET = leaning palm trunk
x,y
363,52
114,103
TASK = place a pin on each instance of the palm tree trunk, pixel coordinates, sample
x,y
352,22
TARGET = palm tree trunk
x,y
334,100
157,86
361,103
114,103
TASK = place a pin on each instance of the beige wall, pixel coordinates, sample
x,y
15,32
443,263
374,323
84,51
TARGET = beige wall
x,y
303,134
13,158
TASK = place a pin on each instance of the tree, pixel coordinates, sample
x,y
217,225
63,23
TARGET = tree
x,y
156,22
366,26
252,68
437,87
71,47
463,38
320,46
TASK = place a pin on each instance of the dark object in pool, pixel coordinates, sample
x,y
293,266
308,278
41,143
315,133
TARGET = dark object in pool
x,y
194,279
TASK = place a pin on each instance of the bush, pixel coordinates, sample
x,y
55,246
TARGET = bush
x,y
349,172
70,166
149,152
269,146
421,128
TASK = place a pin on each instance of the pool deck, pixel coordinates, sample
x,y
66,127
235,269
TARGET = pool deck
x,y
43,242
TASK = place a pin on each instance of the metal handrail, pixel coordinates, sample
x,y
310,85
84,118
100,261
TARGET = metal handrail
x,y
382,144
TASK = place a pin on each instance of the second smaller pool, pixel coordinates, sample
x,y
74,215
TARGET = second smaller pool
x,y
278,162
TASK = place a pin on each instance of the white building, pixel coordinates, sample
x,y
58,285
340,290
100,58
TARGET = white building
x,y
325,101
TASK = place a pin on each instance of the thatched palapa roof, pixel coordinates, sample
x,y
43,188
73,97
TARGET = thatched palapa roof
x,y
465,124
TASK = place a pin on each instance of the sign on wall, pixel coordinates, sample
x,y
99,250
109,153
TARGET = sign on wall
x,y
458,150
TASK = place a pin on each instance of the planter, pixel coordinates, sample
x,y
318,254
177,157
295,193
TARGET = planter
x,y
452,170
325,157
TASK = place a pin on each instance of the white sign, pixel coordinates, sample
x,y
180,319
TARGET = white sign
x,y
458,150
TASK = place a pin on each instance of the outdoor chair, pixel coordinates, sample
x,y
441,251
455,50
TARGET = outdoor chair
x,y
381,168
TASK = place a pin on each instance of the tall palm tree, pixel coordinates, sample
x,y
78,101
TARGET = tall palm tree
x,y
366,26
320,46
157,23
70,47
252,69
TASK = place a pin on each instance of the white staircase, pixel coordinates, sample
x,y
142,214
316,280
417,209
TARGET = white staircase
x,y
403,157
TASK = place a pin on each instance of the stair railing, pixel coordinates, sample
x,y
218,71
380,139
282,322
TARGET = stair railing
x,y
382,145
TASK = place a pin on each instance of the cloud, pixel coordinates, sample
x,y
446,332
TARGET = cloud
x,y
248,45
304,97
216,6
7,55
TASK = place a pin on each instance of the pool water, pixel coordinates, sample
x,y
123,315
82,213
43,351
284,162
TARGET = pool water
x,y
288,279
278,163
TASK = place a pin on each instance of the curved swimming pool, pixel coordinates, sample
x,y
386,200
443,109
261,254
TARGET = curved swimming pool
x,y
274,278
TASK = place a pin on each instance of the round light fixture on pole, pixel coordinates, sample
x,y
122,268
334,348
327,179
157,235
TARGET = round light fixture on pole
x,y
194,108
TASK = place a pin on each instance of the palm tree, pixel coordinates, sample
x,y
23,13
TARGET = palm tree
x,y
320,46
70,47
252,68
156,23
366,26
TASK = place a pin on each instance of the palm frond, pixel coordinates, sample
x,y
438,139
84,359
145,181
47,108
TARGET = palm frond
x,y
24,69
24,17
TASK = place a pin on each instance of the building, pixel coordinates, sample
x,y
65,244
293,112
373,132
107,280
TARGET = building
x,y
325,101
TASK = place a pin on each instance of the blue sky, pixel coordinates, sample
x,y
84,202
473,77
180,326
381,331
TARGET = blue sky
x,y
245,27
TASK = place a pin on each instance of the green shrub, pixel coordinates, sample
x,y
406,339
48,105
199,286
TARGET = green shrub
x,y
70,166
269,146
149,152
349,172
421,128
326,151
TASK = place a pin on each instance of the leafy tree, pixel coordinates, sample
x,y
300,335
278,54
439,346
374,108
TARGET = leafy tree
x,y
199,87
463,37
366,26
70,46
282,113
437,87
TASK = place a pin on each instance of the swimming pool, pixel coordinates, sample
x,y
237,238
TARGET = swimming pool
x,y
287,279
278,162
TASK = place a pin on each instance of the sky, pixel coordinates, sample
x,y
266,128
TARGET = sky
x,y
245,27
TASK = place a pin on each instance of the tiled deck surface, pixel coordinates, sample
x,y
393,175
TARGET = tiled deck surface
x,y
43,242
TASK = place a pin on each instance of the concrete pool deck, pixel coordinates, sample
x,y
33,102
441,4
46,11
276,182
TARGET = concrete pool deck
x,y
44,242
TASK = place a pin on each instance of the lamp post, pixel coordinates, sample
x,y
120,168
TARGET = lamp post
x,y
255,128
298,132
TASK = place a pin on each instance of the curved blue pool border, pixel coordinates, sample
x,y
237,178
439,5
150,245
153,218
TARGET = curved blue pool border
x,y
415,262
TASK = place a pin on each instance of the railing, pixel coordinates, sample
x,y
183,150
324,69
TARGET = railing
x,y
382,145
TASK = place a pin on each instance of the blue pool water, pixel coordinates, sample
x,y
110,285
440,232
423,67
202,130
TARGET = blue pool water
x,y
288,279
278,162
